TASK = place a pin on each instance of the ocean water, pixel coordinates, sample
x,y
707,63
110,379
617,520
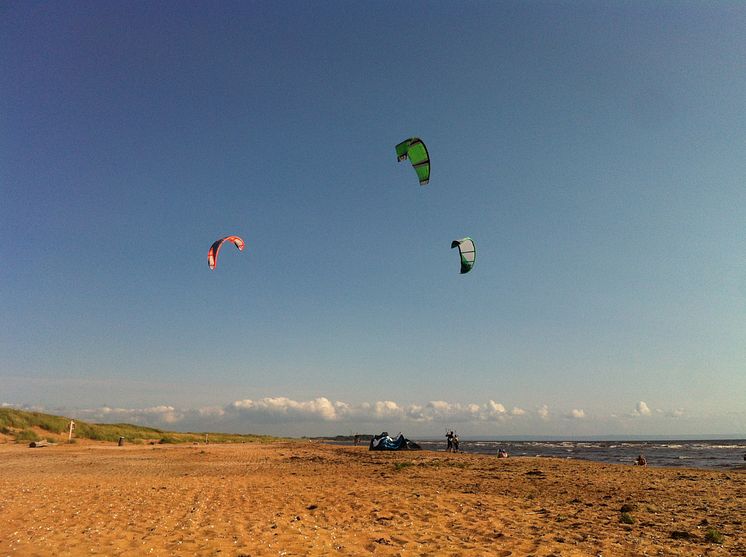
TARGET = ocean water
x,y
718,454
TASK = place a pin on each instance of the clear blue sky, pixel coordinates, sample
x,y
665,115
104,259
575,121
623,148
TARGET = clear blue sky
x,y
595,151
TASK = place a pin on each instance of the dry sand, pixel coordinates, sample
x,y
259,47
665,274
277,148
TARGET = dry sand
x,y
309,499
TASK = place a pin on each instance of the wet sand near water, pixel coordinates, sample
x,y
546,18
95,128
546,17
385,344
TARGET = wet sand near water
x,y
299,498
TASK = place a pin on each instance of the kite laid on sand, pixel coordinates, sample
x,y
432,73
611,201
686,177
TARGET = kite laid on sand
x,y
384,442
414,150
212,255
468,252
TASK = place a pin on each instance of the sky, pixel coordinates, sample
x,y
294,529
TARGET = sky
x,y
593,150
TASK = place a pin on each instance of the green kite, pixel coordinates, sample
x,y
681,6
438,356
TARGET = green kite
x,y
414,150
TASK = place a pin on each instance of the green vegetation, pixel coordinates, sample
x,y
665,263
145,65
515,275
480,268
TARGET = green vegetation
x,y
27,435
112,432
11,419
402,465
713,536
19,424
627,518
167,440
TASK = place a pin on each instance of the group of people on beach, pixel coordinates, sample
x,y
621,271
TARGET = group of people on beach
x,y
451,442
452,445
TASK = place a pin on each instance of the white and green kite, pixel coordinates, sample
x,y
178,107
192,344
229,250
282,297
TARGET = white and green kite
x,y
468,252
414,150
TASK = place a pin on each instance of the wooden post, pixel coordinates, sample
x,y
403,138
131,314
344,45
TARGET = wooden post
x,y
70,432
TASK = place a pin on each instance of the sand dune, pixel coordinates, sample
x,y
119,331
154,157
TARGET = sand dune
x,y
309,499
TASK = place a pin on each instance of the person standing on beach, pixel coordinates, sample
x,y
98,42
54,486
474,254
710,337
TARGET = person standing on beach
x,y
449,439
455,443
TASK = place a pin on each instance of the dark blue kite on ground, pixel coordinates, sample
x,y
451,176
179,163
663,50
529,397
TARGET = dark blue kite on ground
x,y
384,442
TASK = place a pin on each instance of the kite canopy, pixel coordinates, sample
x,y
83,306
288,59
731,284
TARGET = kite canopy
x,y
468,252
384,442
212,255
414,149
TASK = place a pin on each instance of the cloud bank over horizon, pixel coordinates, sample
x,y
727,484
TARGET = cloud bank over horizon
x,y
322,416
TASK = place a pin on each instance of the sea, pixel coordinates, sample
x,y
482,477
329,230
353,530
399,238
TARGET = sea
x,y
712,454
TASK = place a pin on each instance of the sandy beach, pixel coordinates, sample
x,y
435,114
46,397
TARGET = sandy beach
x,y
301,498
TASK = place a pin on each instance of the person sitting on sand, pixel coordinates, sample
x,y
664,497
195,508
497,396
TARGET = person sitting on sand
x,y
502,453
641,461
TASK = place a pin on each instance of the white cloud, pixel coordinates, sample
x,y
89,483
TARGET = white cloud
x,y
159,410
211,411
642,409
386,409
416,413
439,405
322,414
321,409
438,410
163,414
24,407
286,409
270,410
676,413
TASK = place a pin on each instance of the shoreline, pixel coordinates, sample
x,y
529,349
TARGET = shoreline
x,y
705,455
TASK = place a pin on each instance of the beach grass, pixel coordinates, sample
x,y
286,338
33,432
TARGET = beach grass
x,y
402,465
713,536
25,426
